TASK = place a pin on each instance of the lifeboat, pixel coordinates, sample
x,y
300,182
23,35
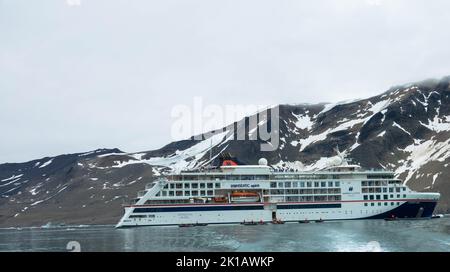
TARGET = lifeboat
x,y
244,197
220,199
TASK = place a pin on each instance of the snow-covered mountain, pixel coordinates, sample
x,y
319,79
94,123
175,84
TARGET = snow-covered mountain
x,y
406,129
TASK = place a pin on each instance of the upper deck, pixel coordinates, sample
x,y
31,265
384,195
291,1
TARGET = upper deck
x,y
263,172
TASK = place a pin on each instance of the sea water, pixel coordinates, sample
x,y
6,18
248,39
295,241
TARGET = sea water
x,y
352,235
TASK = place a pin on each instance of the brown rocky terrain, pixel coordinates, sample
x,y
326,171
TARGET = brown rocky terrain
x,y
405,129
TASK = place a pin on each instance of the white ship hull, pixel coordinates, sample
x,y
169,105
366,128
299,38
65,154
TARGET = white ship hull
x,y
287,212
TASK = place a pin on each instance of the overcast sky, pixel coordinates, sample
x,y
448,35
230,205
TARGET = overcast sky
x,y
76,75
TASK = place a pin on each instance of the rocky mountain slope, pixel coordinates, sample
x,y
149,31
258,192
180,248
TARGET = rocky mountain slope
x,y
406,129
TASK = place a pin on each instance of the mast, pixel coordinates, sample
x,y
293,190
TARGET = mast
x,y
210,153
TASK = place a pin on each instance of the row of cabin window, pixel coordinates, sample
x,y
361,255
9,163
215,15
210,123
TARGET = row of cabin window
x,y
192,185
384,176
253,177
312,198
267,177
306,177
379,182
378,197
222,177
186,193
302,184
304,191
167,201
142,216
379,204
384,190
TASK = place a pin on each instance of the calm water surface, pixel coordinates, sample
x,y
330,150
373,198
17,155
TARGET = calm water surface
x,y
359,235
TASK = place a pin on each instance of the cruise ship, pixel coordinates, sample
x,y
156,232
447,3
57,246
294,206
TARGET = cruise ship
x,y
243,194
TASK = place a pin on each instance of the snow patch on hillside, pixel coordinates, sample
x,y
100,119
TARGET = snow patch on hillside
x,y
312,139
47,163
322,136
398,126
303,121
320,164
284,165
435,176
110,154
438,124
379,106
155,172
181,159
421,153
372,110
253,130
10,182
12,177
34,190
